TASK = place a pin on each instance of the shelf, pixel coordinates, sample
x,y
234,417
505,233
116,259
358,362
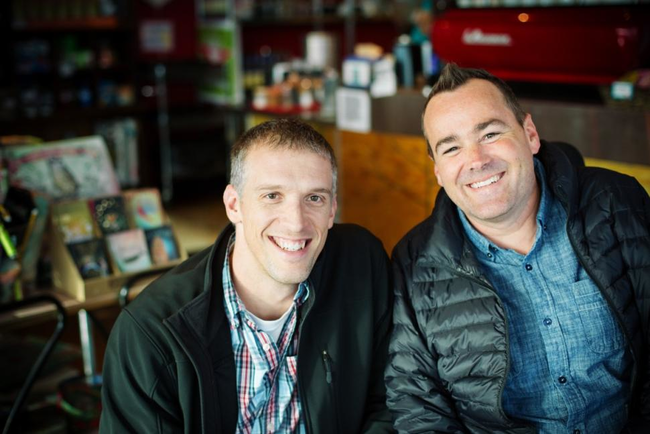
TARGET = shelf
x,y
78,73
61,114
76,113
305,115
312,21
97,23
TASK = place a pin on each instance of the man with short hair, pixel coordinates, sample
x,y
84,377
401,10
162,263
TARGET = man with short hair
x,y
282,326
522,303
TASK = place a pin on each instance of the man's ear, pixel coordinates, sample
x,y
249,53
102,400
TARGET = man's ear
x,y
333,212
435,171
435,166
233,204
531,134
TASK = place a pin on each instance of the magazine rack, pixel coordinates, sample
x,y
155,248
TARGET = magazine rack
x,y
67,279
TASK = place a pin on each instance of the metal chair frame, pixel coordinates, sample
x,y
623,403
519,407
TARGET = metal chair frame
x,y
45,353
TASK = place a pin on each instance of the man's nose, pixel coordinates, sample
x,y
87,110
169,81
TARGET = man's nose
x,y
294,216
477,157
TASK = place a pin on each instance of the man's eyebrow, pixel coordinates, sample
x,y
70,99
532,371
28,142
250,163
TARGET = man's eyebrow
x,y
266,187
477,129
274,187
322,190
483,125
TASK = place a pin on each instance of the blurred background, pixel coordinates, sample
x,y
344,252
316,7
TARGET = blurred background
x,y
105,97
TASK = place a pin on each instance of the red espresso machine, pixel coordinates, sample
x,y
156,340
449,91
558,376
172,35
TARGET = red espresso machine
x,y
575,44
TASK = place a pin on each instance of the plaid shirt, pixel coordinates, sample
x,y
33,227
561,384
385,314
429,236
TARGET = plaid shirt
x,y
569,369
267,376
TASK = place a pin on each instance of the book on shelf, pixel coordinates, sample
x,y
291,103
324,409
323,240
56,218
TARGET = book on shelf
x,y
110,214
90,258
162,245
67,169
144,208
73,220
129,250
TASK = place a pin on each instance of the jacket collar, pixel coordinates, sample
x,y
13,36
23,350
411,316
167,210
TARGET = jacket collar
x,y
561,175
205,314
445,244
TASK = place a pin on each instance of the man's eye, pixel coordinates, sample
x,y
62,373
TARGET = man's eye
x,y
315,198
450,150
271,196
491,136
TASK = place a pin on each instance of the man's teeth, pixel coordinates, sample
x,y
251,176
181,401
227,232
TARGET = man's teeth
x,y
291,246
489,181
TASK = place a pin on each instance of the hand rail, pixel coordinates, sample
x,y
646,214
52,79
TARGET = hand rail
x,y
123,295
42,357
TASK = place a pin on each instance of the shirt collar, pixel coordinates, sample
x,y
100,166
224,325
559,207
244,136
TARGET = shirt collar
x,y
487,248
234,306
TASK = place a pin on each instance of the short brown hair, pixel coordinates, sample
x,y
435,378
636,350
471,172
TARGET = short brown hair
x,y
453,76
280,133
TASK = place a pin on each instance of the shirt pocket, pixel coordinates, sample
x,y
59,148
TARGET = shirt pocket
x,y
599,325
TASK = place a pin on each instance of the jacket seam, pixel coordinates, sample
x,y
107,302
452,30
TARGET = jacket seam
x,y
451,329
462,353
148,337
167,364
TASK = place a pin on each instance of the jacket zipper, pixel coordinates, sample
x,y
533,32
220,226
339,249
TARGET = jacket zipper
x,y
489,287
328,367
327,364
301,393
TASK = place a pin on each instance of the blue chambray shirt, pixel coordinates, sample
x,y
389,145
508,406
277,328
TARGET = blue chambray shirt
x,y
569,364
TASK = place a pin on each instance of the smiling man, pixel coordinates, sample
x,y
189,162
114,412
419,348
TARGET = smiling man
x,y
522,303
281,327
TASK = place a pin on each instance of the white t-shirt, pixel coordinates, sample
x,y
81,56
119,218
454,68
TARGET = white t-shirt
x,y
274,327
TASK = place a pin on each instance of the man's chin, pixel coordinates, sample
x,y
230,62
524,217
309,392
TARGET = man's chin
x,y
290,272
486,210
290,277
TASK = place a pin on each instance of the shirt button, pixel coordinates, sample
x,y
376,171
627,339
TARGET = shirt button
x,y
548,321
489,255
529,267
266,347
576,431
562,379
544,227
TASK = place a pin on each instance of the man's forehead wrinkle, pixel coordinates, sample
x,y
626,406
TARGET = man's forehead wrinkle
x,y
266,187
483,125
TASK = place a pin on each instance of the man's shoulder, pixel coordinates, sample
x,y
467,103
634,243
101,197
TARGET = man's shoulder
x,y
170,292
347,236
351,251
595,181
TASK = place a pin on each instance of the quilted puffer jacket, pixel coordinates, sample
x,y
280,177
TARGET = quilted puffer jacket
x,y
449,353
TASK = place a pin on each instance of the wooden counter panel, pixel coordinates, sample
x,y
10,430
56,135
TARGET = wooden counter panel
x,y
386,183
393,160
